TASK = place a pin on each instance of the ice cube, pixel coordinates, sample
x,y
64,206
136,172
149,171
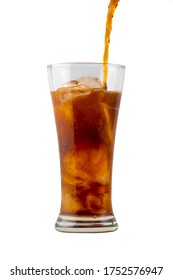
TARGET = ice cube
x,y
99,161
71,83
92,82
69,93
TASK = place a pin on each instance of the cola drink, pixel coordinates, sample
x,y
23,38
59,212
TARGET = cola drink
x,y
86,120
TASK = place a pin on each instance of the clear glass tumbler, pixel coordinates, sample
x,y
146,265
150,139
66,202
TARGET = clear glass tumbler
x,y
86,118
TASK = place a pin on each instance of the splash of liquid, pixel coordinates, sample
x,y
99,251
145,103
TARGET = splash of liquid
x,y
111,10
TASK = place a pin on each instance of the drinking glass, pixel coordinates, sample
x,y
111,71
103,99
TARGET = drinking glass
x,y
86,118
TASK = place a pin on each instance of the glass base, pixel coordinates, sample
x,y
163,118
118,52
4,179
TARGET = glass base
x,y
86,224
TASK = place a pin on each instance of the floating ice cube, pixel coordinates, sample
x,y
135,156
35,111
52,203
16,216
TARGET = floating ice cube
x,y
92,82
71,83
70,92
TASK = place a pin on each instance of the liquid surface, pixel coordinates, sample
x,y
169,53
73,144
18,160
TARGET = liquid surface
x,y
111,10
86,121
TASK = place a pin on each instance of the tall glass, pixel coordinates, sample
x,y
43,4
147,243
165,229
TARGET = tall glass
x,y
86,118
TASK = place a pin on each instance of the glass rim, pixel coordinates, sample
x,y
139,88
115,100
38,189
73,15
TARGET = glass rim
x,y
75,64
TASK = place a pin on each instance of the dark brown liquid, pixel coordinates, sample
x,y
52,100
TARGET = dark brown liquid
x,y
86,121
111,10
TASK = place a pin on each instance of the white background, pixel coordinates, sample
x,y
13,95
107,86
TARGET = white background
x,y
35,33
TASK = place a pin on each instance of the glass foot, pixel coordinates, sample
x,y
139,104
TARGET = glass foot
x,y
86,224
